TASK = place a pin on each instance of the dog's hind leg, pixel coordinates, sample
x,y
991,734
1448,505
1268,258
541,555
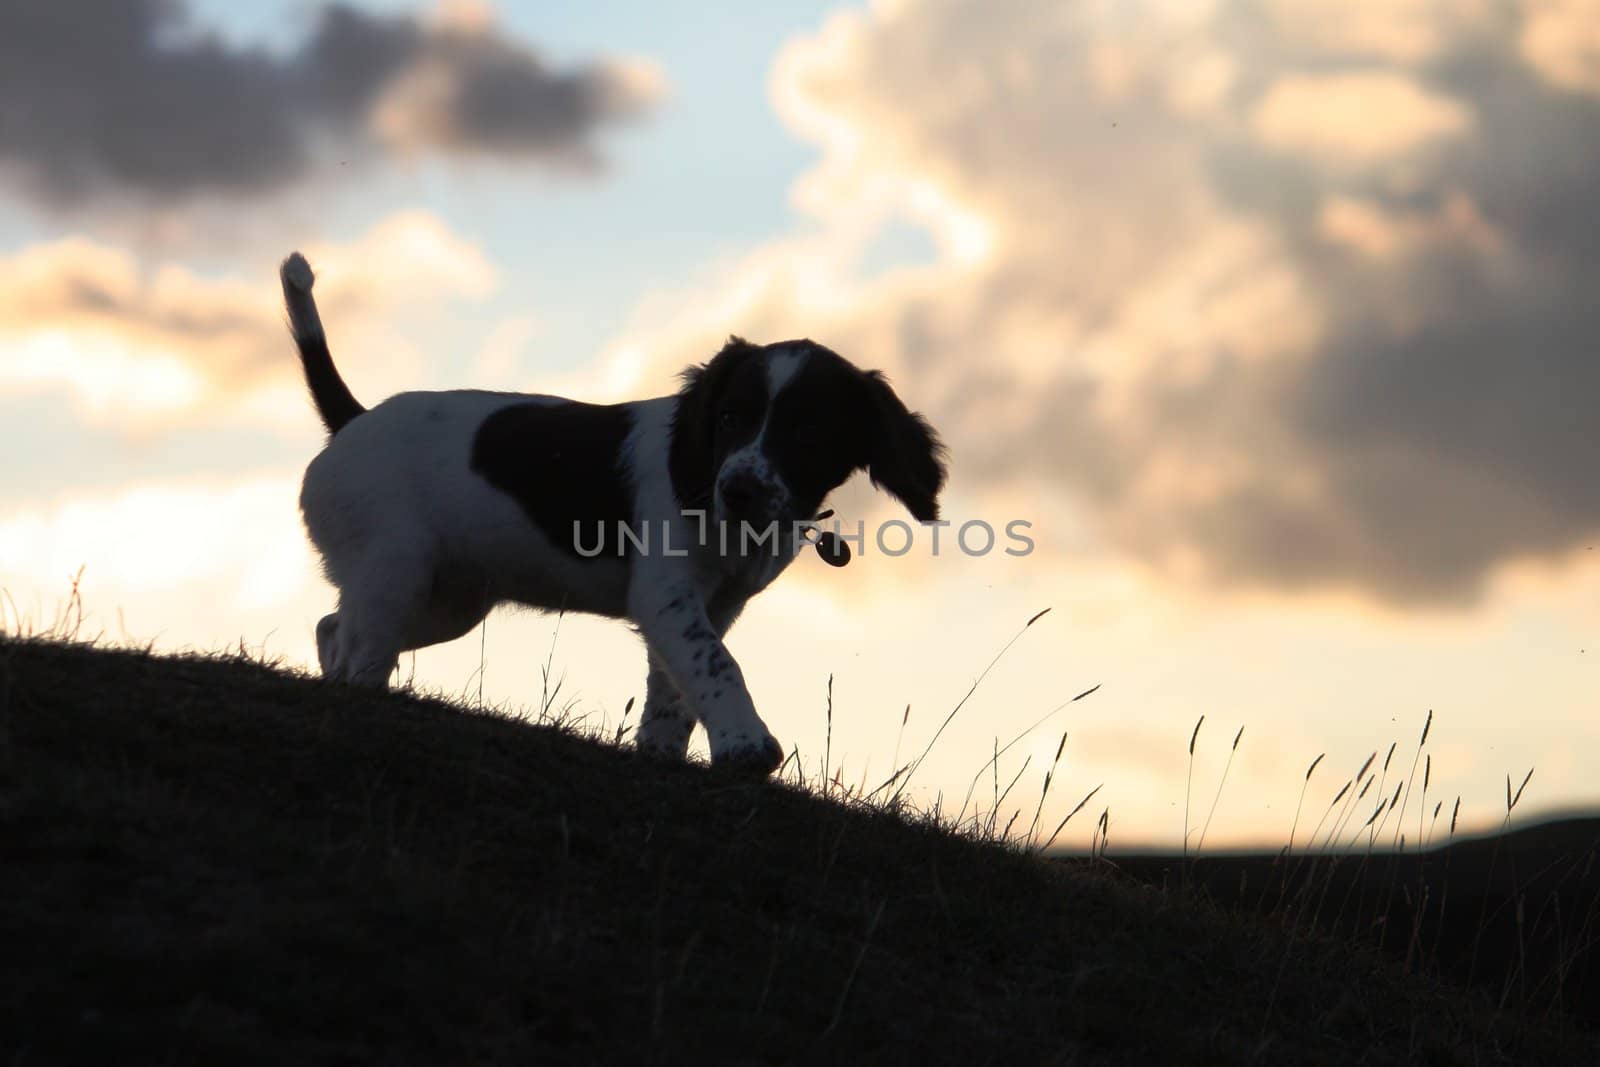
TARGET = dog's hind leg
x,y
377,610
328,644
454,605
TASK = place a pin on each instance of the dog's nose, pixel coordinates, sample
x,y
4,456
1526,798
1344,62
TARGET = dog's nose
x,y
741,492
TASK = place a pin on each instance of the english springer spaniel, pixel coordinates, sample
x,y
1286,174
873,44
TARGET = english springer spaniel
x,y
433,507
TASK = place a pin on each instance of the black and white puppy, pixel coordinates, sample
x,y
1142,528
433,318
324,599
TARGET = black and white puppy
x,y
433,507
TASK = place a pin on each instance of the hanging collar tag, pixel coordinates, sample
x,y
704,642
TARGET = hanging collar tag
x,y
830,546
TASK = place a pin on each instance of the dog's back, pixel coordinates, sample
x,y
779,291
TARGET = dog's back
x,y
404,475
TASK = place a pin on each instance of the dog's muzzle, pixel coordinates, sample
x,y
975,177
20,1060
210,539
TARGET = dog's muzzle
x,y
743,497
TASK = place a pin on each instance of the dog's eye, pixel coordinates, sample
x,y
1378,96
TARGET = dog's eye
x,y
728,419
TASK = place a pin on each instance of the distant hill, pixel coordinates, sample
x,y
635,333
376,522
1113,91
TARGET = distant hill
x,y
1516,915
204,860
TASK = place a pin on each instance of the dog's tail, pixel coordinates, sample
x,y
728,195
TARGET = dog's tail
x,y
333,398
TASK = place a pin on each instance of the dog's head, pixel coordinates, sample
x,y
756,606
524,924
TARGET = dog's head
x,y
763,433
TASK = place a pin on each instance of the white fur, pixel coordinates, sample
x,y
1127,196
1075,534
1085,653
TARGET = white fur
x,y
751,460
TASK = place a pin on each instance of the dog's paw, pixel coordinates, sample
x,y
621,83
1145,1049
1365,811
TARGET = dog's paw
x,y
749,754
664,735
669,751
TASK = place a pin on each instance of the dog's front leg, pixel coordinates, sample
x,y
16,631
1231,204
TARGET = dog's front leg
x,y
685,645
667,720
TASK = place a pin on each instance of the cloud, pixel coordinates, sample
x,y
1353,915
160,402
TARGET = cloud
x,y
148,347
237,544
1355,118
132,96
1405,31
1561,39
1269,305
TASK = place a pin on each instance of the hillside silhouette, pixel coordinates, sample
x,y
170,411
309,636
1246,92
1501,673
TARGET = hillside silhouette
x,y
207,860
1515,914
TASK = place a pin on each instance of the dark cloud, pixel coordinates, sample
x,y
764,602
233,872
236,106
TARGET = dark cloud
x,y
1296,304
1450,410
130,95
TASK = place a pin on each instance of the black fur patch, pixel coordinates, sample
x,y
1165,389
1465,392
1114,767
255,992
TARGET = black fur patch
x,y
906,458
561,462
696,451
833,419
820,428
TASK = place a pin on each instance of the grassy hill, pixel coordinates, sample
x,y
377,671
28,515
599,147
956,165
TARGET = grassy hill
x,y
1515,914
204,860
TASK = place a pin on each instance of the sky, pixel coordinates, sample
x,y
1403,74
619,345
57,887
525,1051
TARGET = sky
x,y
1274,320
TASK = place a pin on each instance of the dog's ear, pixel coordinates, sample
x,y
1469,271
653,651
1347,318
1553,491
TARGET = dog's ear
x,y
905,457
692,451
700,381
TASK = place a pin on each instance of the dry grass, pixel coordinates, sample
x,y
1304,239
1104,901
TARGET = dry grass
x,y
212,860
1514,915
224,861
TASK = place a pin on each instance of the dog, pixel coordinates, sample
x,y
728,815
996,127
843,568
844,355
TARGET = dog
x,y
431,508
